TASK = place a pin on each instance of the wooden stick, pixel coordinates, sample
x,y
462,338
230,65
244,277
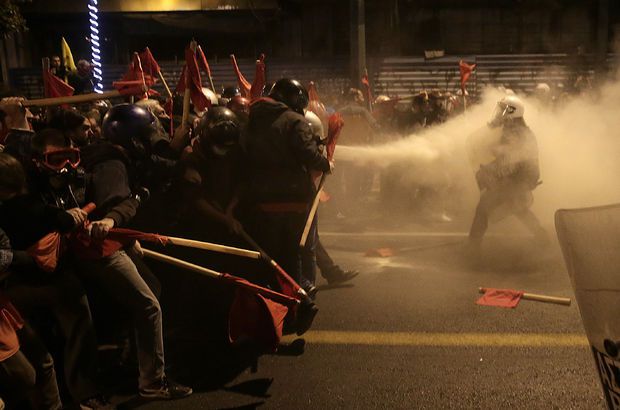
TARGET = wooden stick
x,y
163,80
213,247
312,213
146,94
187,95
209,74
540,298
72,99
181,264
186,99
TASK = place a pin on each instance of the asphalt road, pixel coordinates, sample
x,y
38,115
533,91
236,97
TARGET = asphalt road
x,y
406,333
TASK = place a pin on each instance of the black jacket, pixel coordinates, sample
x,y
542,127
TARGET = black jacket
x,y
108,183
281,151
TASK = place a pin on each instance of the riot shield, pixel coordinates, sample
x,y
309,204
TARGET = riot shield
x,y
590,241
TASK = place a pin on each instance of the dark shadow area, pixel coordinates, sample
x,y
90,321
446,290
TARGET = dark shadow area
x,y
323,288
250,406
255,388
295,348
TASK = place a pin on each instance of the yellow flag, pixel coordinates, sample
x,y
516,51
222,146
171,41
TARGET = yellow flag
x,y
67,57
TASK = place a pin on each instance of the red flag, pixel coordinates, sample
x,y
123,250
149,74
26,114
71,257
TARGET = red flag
x,y
256,317
202,61
10,322
466,70
506,298
136,73
336,123
83,245
366,84
256,91
135,79
244,85
46,252
193,81
54,86
149,64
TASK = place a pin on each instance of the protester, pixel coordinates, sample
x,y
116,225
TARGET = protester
x,y
281,153
75,126
27,375
26,219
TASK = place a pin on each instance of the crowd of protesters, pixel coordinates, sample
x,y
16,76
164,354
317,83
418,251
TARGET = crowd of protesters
x,y
226,172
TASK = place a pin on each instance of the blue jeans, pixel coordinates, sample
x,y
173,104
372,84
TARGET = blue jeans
x,y
118,277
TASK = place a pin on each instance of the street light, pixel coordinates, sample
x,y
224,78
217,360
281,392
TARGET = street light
x,y
95,45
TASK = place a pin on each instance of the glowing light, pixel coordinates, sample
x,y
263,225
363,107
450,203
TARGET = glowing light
x,y
95,46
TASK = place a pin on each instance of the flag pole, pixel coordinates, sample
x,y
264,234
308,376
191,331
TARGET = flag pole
x,y
186,95
208,73
312,213
539,298
163,80
45,63
137,56
76,99
464,99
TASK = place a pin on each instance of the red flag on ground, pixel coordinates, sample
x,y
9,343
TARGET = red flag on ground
x,y
193,82
506,298
366,84
54,86
379,253
244,85
466,70
258,85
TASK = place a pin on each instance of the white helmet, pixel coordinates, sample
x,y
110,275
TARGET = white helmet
x,y
315,124
210,95
509,107
542,89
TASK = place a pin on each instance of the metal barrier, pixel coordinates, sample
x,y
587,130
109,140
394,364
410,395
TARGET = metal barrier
x,y
393,75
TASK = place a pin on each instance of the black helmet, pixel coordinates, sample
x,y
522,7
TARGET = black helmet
x,y
131,127
230,92
218,130
291,93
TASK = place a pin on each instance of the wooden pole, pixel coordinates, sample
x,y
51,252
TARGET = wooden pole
x,y
181,264
213,247
312,213
72,99
163,80
186,95
540,298
137,56
209,74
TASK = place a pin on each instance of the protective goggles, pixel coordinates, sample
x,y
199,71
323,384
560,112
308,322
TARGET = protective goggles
x,y
59,158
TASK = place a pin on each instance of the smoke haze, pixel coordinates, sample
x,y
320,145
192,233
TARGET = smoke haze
x,y
579,147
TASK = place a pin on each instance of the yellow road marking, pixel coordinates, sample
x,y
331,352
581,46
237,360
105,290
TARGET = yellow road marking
x,y
443,339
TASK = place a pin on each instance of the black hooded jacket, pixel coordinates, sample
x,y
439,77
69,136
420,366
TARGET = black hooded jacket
x,y
281,152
